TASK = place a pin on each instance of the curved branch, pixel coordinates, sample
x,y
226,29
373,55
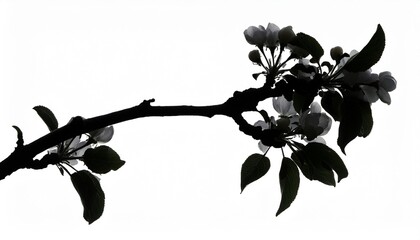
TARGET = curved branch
x,y
247,100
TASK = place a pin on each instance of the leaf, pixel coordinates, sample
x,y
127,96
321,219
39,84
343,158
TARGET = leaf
x,y
289,183
370,54
91,194
19,142
47,116
367,120
254,167
313,168
309,44
317,162
356,120
328,156
102,159
331,101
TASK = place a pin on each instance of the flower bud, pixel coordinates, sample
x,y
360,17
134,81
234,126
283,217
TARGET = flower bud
x,y
255,56
286,34
336,53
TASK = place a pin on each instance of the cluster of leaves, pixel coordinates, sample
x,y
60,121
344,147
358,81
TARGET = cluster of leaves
x,y
347,88
99,159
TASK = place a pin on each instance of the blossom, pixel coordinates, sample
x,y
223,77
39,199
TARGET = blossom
x,y
264,125
261,36
283,107
272,35
286,34
71,148
74,148
314,123
255,35
286,110
386,84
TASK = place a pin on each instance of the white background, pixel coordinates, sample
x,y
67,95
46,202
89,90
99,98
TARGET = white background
x,y
181,179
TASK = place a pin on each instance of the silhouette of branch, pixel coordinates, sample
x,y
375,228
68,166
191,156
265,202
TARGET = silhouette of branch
x,y
247,100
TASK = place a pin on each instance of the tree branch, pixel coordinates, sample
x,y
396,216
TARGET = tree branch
x,y
247,100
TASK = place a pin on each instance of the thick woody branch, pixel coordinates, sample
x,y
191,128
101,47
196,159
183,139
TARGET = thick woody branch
x,y
23,156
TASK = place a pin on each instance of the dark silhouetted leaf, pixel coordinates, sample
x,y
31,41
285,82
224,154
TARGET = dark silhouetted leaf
x,y
331,101
289,183
19,142
91,194
356,120
102,159
370,54
309,44
328,156
312,167
47,116
367,120
301,102
254,167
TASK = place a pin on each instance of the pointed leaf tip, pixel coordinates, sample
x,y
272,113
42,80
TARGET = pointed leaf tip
x,y
47,116
370,54
254,167
356,120
289,183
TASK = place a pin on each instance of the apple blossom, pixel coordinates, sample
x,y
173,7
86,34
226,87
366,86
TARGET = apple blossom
x,y
386,84
286,34
255,35
314,123
272,35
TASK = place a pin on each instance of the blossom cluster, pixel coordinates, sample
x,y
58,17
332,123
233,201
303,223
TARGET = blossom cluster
x,y
309,78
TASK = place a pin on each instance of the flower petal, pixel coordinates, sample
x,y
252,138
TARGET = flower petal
x,y
72,142
325,122
387,81
384,96
262,124
263,148
315,107
103,135
283,107
272,36
318,140
370,93
255,35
